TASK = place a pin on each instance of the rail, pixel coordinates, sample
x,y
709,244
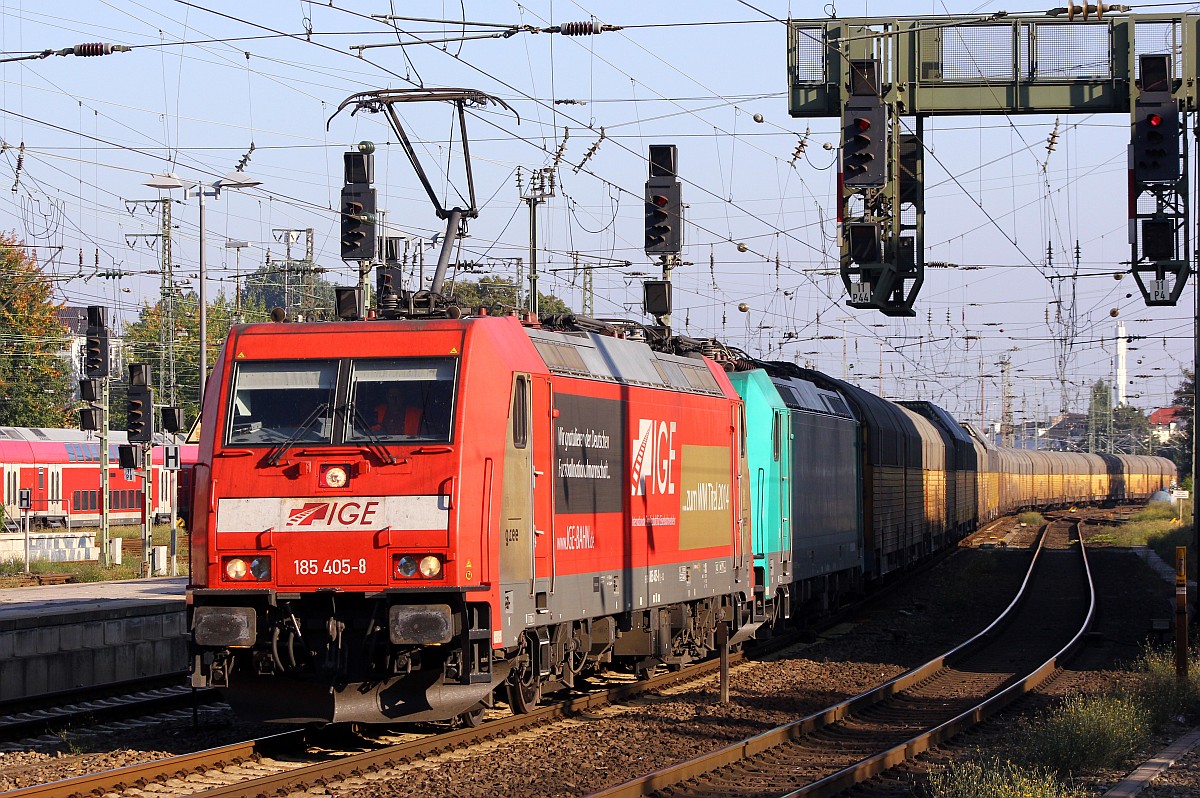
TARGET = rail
x,y
872,766
297,779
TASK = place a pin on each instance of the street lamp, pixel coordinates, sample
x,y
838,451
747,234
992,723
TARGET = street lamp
x,y
170,180
237,247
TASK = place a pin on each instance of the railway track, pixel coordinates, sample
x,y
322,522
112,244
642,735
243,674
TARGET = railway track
x,y
285,763
828,752
49,718
293,763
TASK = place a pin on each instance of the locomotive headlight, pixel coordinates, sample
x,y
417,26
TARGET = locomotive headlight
x,y
406,566
430,567
335,476
236,568
261,567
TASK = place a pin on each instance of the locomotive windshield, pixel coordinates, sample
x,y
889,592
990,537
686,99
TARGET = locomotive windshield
x,y
276,401
401,399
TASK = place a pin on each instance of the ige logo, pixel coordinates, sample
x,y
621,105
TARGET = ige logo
x,y
339,514
308,515
653,458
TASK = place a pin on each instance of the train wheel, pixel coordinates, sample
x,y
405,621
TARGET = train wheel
x,y
471,718
524,685
523,697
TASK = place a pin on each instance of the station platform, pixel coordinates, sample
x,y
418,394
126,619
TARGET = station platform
x,y
61,638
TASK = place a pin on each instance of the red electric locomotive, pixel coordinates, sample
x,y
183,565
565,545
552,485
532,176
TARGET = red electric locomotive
x,y
403,519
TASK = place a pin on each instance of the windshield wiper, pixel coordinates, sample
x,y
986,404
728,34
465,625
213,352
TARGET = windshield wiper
x,y
275,454
373,442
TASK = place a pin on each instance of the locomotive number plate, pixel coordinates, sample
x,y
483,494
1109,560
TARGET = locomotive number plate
x,y
336,567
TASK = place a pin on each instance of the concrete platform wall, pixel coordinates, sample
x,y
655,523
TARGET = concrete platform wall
x,y
81,649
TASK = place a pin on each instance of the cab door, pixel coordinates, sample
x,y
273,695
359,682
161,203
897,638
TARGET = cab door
x,y
743,546
542,490
518,543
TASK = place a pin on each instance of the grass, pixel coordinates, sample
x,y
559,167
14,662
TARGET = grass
x,y
1082,734
994,778
1086,733
92,571
1031,518
1157,526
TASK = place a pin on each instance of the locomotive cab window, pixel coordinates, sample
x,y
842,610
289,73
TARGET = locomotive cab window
x,y
403,399
276,401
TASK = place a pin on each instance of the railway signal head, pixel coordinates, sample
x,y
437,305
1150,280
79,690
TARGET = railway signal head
x,y
1155,145
139,405
864,142
172,419
1156,142
358,223
89,419
664,216
95,352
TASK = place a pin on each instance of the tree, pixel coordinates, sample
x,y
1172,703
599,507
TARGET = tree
x,y
499,295
169,340
1131,430
1100,418
272,286
1185,399
35,359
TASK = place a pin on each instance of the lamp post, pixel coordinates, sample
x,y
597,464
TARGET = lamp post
x,y
170,180
237,247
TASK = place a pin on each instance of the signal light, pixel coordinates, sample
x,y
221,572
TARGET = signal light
x,y
139,405
95,353
664,216
89,419
864,142
1158,239
172,419
1155,140
127,457
358,223
865,245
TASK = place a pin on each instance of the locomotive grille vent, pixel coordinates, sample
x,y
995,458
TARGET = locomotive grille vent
x,y
835,405
700,378
671,374
560,357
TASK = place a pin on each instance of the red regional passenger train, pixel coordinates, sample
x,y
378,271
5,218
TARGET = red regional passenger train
x,y
412,519
61,469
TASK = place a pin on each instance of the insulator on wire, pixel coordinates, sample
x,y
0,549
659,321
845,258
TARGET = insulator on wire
x,y
580,28
94,48
590,28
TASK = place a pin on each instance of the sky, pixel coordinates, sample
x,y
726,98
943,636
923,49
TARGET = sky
x,y
1032,238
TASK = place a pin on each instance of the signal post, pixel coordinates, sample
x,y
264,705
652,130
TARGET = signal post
x,y
914,68
664,229
140,429
93,389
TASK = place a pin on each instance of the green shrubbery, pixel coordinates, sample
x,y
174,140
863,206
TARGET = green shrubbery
x,y
1031,518
1085,733
996,779
1081,734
